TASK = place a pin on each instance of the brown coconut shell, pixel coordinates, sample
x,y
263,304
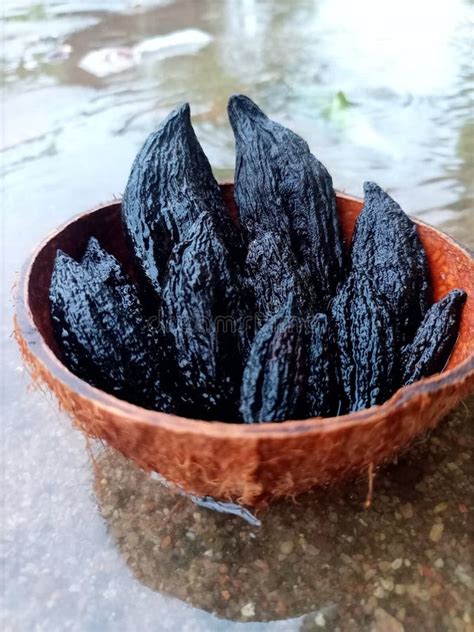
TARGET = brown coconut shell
x,y
250,464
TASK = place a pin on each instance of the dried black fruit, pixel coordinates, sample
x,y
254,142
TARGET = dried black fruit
x,y
101,329
322,390
170,185
271,275
435,338
204,315
275,372
193,265
367,343
280,186
387,249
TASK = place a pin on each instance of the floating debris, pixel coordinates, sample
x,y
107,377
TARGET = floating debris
x,y
112,60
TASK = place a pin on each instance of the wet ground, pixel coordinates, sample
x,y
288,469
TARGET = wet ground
x,y
89,542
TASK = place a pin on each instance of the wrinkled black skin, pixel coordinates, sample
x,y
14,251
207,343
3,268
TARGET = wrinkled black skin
x,y
280,186
435,338
322,389
271,275
102,331
387,249
203,315
275,373
169,186
367,344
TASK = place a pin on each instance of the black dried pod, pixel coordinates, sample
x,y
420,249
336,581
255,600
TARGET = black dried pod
x,y
322,389
434,339
275,373
170,185
280,186
367,344
204,315
102,331
387,249
271,275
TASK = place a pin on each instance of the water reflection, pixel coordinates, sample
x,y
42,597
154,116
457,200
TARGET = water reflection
x,y
321,556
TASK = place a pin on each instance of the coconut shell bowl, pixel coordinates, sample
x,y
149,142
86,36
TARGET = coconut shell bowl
x,y
250,464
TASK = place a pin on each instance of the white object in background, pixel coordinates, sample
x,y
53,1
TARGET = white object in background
x,y
187,41
108,61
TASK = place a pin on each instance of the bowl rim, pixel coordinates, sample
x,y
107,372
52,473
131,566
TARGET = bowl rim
x,y
27,330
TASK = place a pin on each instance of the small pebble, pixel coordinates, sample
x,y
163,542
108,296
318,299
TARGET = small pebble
x,y
132,539
464,576
281,608
287,547
165,543
261,564
248,610
440,507
401,614
370,606
387,584
436,532
384,622
424,595
379,592
225,595
439,563
320,620
407,510
396,564
435,590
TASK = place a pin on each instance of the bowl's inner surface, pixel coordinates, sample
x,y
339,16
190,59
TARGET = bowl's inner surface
x,y
450,265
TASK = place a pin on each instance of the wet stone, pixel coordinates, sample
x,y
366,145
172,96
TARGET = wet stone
x,y
436,532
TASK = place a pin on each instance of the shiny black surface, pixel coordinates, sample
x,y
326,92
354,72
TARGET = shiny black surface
x,y
367,344
322,398
102,329
275,372
434,339
202,314
281,186
271,274
386,247
170,185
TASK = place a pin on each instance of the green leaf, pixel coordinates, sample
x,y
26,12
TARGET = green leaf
x,y
336,108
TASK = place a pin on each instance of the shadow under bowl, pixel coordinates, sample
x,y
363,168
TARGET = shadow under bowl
x,y
251,464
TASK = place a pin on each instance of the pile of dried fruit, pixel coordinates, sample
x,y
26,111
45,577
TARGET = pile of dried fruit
x,y
262,322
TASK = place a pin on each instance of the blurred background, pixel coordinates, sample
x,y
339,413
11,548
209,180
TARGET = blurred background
x,y
381,91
